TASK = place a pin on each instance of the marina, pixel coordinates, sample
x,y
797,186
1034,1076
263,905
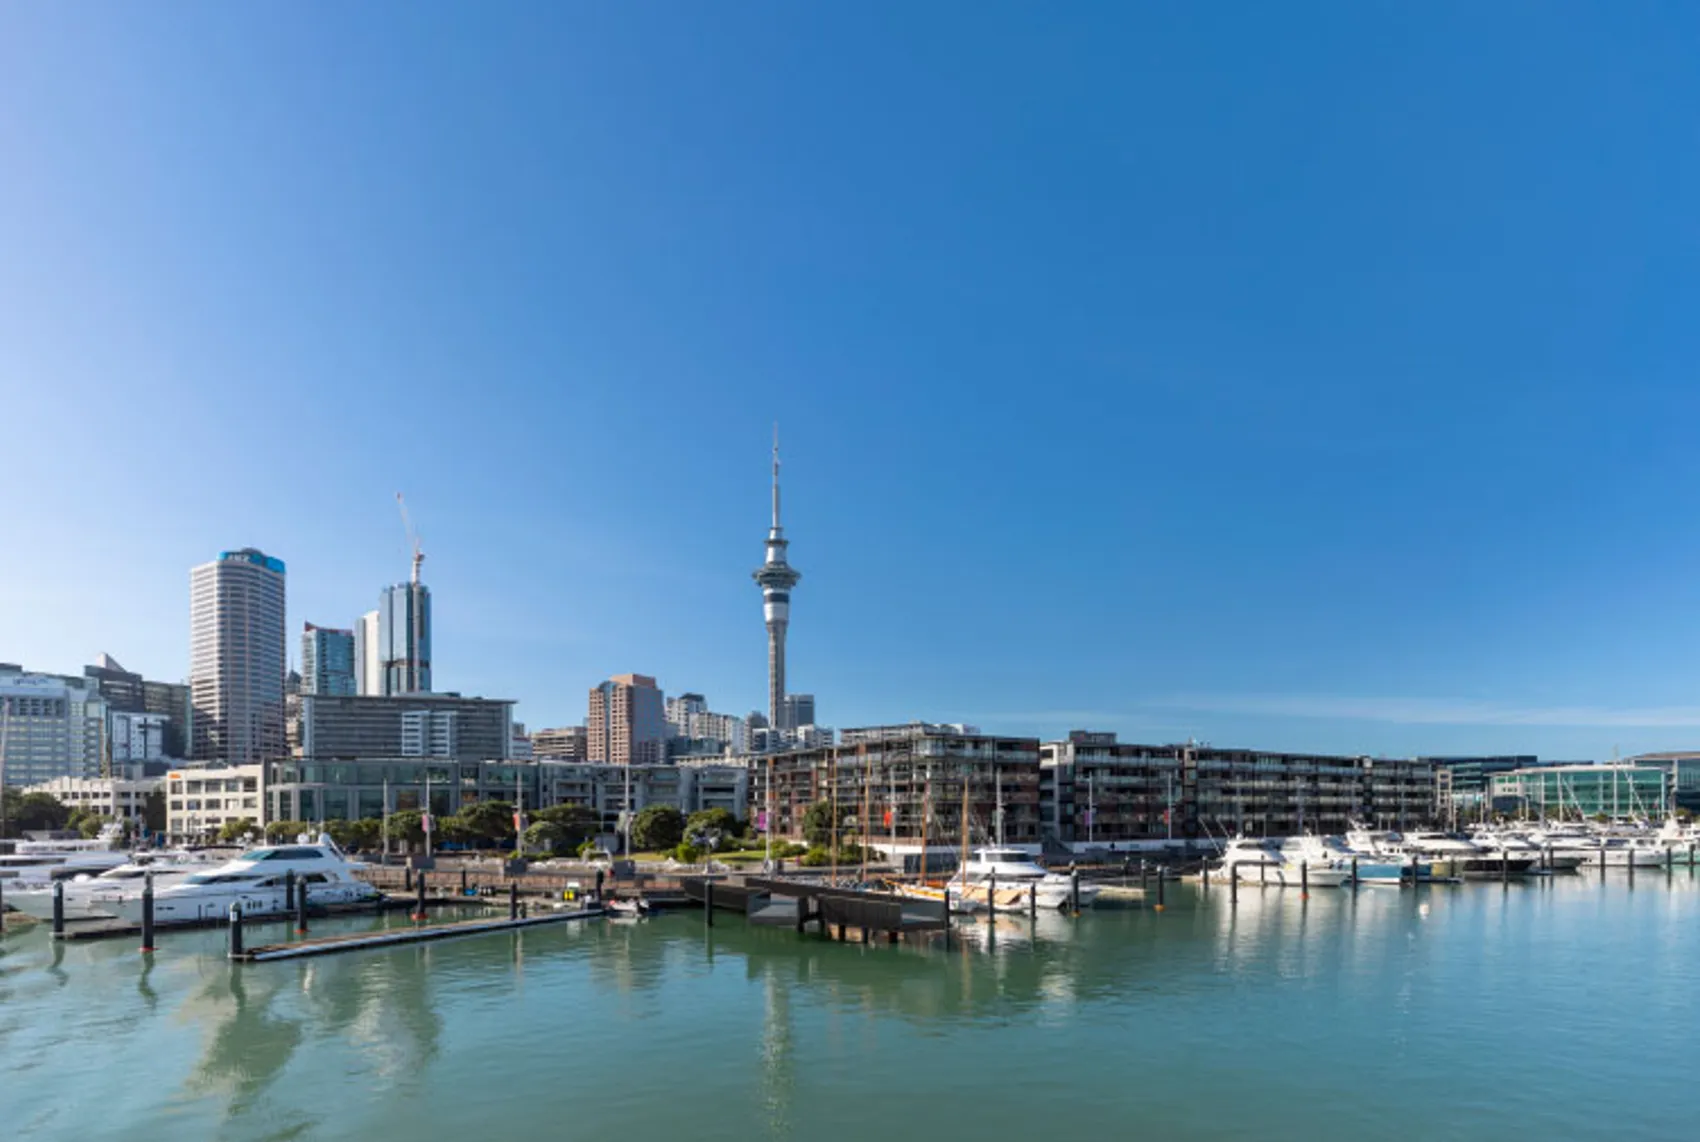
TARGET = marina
x,y
1128,1009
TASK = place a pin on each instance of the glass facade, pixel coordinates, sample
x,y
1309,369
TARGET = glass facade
x,y
1615,791
404,638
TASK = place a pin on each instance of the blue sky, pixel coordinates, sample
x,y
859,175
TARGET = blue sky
x,y
1315,378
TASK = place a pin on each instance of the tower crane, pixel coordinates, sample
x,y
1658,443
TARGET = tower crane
x,y
412,536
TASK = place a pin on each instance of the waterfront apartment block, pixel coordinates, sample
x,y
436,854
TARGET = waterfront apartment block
x,y
199,800
410,725
561,743
238,657
908,785
328,661
314,789
1620,791
1099,792
117,798
51,726
627,721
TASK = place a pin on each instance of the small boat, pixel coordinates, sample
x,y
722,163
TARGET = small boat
x,y
1008,880
626,909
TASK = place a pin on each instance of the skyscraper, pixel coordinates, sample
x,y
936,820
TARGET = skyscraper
x,y
368,668
237,657
776,578
627,724
327,660
404,638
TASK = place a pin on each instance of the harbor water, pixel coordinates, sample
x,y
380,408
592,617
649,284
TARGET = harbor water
x,y
1561,1008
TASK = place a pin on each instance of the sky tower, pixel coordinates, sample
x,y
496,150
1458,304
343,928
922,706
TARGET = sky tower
x,y
776,578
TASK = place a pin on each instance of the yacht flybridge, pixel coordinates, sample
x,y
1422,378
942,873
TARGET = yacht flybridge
x,y
254,881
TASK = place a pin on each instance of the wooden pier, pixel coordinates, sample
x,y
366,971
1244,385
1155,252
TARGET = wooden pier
x,y
394,937
799,903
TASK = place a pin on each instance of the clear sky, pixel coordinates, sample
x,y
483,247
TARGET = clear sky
x,y
1314,377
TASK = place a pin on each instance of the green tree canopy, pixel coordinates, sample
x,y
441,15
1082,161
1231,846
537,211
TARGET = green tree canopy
x,y
658,827
721,821
487,821
579,821
366,833
29,812
282,830
817,823
547,837
408,827
233,831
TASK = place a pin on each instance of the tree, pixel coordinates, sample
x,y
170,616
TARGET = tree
x,y
153,812
658,827
29,812
233,831
342,832
722,822
407,827
579,821
366,833
283,830
547,837
817,823
487,821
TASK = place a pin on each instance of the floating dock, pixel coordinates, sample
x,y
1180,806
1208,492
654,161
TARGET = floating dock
x,y
393,937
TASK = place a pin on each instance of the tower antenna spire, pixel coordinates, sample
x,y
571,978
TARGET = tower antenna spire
x,y
776,475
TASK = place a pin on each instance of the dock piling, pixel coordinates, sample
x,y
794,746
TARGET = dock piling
x,y
419,901
1304,879
513,900
59,908
147,912
235,931
301,904
991,891
1160,905
1602,853
1234,882
463,880
1032,901
1505,866
1074,890
1629,859
1354,874
708,902
289,890
407,879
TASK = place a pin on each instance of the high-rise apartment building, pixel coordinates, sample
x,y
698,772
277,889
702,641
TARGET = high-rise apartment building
x,y
368,667
560,743
404,638
237,657
51,726
328,661
129,693
627,722
799,711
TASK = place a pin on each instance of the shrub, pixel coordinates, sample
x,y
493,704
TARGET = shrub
x,y
816,857
687,853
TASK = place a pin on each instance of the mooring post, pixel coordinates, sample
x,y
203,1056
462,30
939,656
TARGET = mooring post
x,y
708,902
1160,904
1505,866
1234,882
463,880
1690,854
235,931
59,908
407,879
1629,859
147,912
1304,879
599,886
1670,862
1204,878
289,890
1074,890
991,891
301,905
1263,872
1546,856
1354,874
1032,901
513,900
419,899
1602,850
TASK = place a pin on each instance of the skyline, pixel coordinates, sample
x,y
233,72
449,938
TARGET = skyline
x,y
1138,371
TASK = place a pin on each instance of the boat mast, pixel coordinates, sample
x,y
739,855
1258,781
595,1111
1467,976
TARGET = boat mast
x,y
832,781
926,812
863,874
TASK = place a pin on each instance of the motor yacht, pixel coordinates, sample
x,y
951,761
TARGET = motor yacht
x,y
254,881
1462,857
168,868
1020,883
1282,861
35,864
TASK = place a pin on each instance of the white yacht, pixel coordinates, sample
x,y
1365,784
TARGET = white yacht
x,y
254,882
1014,873
168,868
1459,856
33,864
1282,861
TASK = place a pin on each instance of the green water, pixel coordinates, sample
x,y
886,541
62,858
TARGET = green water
x,y
1558,1010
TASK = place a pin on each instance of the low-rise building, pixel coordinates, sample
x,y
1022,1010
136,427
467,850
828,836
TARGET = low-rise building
x,y
404,725
201,799
1620,791
560,743
117,798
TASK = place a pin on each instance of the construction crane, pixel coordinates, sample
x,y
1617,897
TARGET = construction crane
x,y
415,603
412,536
